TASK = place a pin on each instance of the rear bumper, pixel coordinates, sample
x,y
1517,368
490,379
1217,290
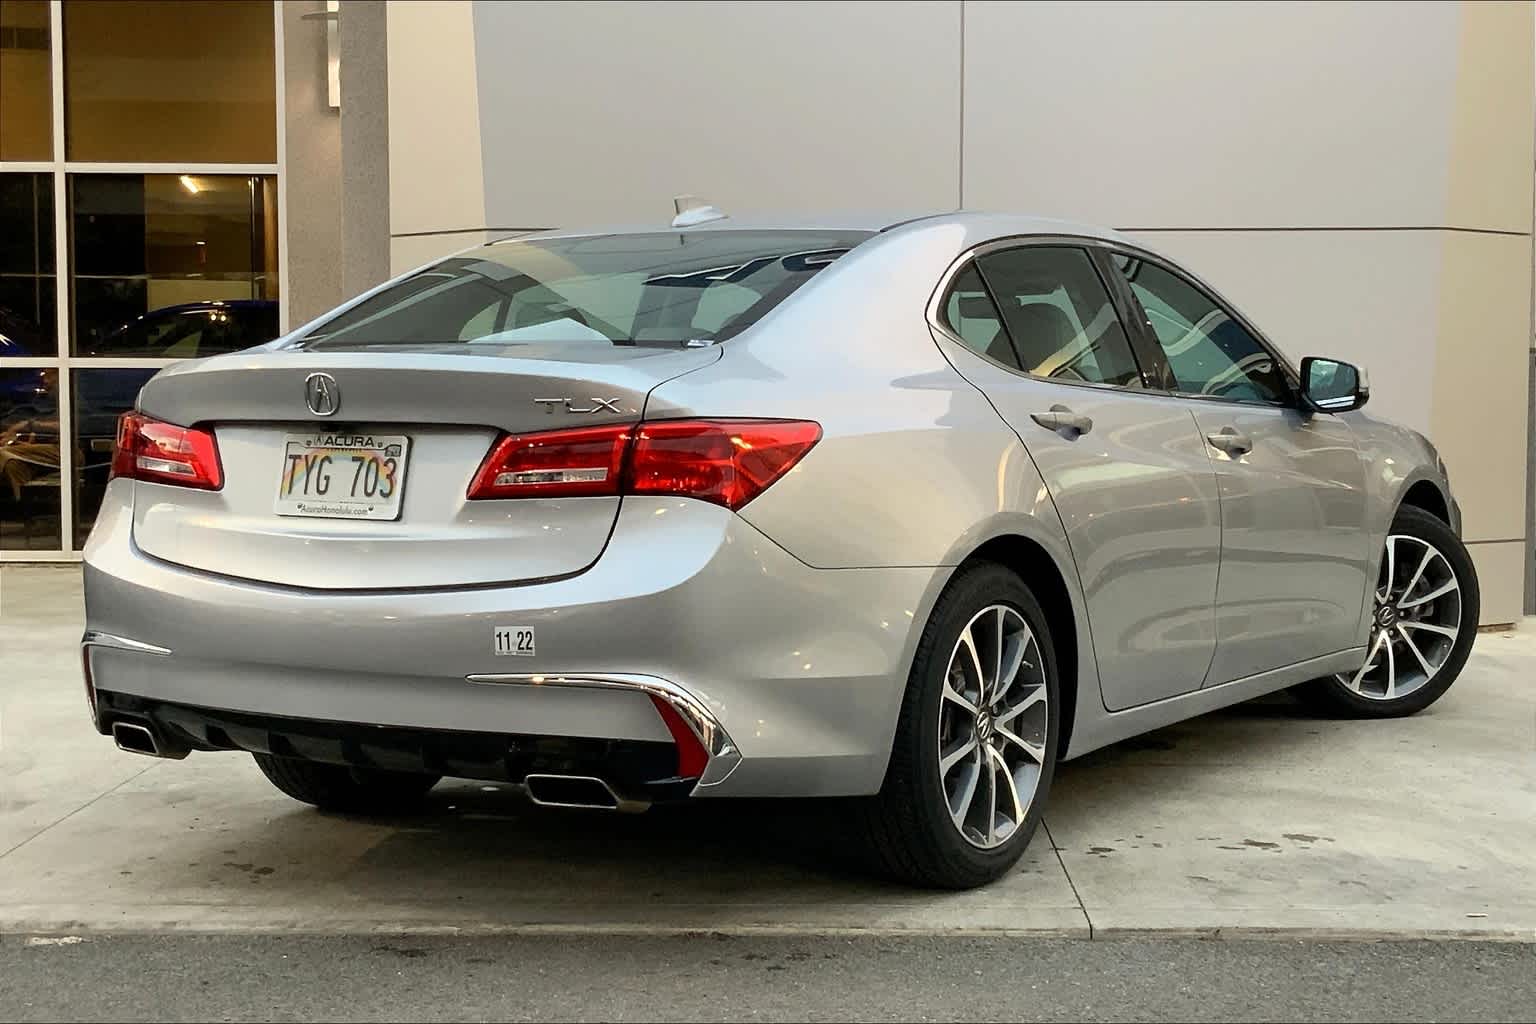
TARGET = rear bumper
x,y
790,677
638,769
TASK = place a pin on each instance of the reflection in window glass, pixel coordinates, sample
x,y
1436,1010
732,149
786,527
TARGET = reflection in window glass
x,y
100,397
28,318
663,290
1210,353
170,81
29,459
26,81
172,265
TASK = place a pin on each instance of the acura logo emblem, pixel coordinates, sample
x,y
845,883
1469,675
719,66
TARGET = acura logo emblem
x,y
322,394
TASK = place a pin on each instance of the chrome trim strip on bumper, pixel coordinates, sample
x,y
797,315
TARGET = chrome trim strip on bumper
x,y
94,638
723,755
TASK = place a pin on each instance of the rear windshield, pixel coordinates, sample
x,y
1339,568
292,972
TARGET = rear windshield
x,y
666,289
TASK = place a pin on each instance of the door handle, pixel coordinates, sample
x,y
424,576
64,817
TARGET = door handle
x,y
1062,418
1231,442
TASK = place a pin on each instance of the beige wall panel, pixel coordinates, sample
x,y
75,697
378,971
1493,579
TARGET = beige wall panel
x,y
1202,115
1490,159
1501,581
435,179
1481,378
603,112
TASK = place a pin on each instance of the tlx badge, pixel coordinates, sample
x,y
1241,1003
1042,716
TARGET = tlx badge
x,y
570,406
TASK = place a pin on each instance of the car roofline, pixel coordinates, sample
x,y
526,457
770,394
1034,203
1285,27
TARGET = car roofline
x,y
999,224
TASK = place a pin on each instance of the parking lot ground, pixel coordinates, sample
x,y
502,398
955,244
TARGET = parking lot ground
x,y
1256,821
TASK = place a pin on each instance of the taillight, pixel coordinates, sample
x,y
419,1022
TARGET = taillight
x,y
555,464
148,449
727,462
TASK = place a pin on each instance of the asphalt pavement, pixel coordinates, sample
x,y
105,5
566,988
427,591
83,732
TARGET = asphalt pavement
x,y
754,978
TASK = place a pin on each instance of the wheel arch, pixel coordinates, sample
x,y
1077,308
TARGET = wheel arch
x,y
1425,495
1040,571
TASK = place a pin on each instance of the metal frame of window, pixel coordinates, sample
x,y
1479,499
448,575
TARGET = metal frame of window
x,y
61,169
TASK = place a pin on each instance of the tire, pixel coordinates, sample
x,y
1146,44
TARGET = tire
x,y
909,829
1365,694
335,787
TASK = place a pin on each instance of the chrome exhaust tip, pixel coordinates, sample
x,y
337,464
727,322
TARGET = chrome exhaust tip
x,y
138,739
583,792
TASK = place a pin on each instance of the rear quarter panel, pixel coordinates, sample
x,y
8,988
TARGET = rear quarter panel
x,y
915,467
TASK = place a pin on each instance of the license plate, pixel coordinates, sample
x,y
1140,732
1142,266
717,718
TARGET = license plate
x,y
342,476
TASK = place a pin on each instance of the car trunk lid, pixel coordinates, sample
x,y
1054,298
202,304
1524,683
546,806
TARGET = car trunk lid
x,y
448,404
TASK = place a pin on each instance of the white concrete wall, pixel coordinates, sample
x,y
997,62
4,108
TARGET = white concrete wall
x,y
1357,176
436,192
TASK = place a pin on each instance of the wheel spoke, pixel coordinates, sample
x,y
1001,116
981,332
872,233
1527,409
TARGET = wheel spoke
x,y
1013,660
1036,696
952,694
1429,554
1385,594
999,626
949,760
1013,789
991,774
1034,750
1391,669
1423,663
1430,626
1370,656
1440,591
969,643
967,795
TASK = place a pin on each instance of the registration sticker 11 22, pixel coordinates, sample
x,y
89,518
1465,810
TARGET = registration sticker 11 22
x,y
514,640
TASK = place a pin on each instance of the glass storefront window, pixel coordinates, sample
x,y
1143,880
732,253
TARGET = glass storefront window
x,y
28,319
172,266
100,397
29,459
26,81
137,270
170,80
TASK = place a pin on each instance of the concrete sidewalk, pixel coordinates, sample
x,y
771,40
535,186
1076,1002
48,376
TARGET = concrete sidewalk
x,y
1257,820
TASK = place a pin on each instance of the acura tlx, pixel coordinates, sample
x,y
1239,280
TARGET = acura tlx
x,y
902,512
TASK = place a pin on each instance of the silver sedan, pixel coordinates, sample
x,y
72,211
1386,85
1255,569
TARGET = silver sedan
x,y
904,512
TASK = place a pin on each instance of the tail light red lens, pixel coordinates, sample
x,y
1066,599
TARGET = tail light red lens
x,y
727,462
148,449
555,464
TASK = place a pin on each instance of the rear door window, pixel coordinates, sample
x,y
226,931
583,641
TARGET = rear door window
x,y
668,289
1059,315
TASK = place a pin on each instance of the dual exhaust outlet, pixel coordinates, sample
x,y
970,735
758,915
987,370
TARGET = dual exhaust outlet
x,y
586,792
140,739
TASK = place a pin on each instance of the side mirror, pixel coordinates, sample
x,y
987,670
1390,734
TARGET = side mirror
x,y
1331,385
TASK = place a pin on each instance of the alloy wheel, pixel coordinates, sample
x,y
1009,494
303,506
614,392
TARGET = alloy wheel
x,y
992,726
1415,619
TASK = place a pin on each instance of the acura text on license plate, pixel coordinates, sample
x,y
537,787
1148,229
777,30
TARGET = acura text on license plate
x,y
342,476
